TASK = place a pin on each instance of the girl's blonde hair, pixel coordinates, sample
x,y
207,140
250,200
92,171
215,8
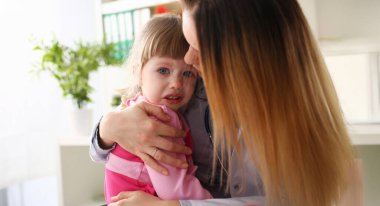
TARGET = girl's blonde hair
x,y
161,36
260,56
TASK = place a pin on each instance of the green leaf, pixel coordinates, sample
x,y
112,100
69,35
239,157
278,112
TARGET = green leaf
x,y
37,48
71,67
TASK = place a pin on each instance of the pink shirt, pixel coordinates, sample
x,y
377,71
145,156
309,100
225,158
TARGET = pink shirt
x,y
127,172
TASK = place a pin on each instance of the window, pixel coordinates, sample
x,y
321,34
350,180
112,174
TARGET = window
x,y
356,79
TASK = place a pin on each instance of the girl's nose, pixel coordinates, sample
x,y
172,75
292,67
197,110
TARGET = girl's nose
x,y
176,83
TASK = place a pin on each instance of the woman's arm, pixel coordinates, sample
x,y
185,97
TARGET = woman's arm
x,y
135,131
97,153
138,198
237,201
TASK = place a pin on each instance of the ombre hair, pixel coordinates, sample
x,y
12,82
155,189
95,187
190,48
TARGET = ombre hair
x,y
161,36
260,57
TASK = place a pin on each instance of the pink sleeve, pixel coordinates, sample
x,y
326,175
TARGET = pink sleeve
x,y
180,184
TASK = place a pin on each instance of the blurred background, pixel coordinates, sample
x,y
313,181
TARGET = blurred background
x,y
44,135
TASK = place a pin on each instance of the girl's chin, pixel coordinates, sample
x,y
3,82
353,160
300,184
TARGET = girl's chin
x,y
173,107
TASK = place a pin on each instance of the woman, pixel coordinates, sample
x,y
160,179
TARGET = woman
x,y
266,81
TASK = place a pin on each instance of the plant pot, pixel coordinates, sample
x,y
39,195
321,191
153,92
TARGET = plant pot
x,y
81,122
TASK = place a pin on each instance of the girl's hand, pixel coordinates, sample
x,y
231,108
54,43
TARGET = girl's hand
x,y
140,198
135,131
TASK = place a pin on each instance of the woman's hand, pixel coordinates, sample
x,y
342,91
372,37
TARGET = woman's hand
x,y
140,198
135,131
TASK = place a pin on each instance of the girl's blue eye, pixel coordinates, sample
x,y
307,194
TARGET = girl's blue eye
x,y
188,73
163,70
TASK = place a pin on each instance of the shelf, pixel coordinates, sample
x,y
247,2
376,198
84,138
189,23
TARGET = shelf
x,y
366,140
78,173
365,134
349,46
117,6
93,203
360,135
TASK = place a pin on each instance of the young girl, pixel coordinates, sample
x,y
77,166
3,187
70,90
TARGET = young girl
x,y
165,80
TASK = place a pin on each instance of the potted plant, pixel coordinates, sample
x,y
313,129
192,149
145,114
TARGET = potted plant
x,y
71,67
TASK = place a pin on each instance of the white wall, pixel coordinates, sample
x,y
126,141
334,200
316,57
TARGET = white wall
x,y
348,18
353,28
32,110
77,20
309,9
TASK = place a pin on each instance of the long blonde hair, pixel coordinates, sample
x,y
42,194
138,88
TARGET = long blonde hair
x,y
161,36
260,57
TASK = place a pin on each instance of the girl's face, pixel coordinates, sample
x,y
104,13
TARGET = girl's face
x,y
167,81
189,31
